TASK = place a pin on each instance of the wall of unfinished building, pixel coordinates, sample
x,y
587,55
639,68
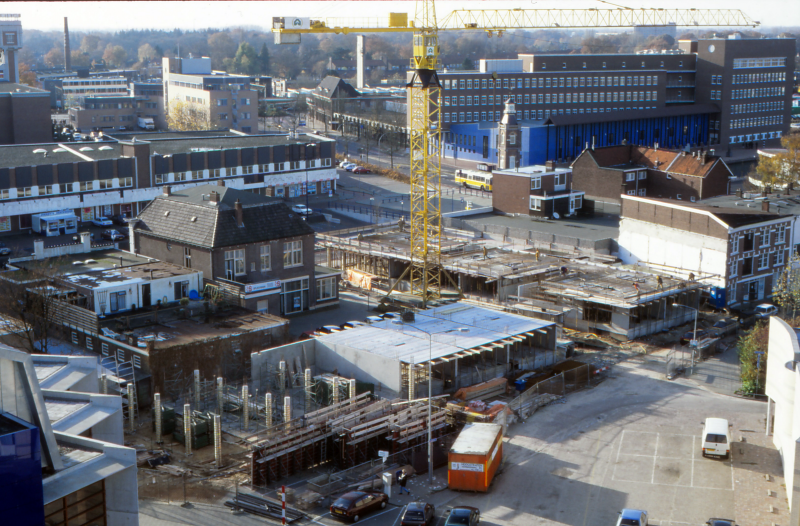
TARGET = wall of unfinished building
x,y
298,355
364,366
679,249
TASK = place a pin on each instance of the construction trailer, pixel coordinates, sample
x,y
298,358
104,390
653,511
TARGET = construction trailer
x,y
628,301
475,456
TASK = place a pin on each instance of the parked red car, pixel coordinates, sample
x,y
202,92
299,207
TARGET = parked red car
x,y
355,505
361,170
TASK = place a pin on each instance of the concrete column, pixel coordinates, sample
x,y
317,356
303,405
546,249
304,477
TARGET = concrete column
x,y
307,386
218,440
104,384
352,390
287,409
197,389
246,407
187,428
455,374
38,249
794,492
282,376
157,407
411,381
219,395
335,391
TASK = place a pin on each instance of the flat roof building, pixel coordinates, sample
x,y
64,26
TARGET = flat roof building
x,y
65,476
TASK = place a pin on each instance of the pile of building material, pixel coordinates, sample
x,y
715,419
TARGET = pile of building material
x,y
263,507
483,390
527,404
309,500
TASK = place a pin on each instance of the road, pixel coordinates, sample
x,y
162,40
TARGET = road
x,y
633,441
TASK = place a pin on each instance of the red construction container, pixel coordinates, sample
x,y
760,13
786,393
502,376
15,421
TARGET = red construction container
x,y
475,456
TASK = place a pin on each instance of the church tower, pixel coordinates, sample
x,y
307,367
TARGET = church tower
x,y
509,139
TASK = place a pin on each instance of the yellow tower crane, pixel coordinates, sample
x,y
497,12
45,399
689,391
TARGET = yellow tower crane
x,y
425,90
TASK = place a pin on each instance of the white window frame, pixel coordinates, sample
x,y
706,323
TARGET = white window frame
x,y
630,176
780,258
104,349
326,288
293,254
763,261
536,203
536,183
266,258
89,343
237,256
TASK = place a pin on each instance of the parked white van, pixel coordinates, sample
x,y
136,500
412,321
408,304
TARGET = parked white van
x,y
716,438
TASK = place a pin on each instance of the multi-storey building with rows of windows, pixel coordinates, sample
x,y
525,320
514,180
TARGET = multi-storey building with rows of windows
x,y
734,92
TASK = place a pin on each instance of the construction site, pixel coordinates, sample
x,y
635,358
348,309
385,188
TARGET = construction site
x,y
588,292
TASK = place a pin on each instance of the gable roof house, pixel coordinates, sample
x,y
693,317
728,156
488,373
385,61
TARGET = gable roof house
x,y
251,246
629,169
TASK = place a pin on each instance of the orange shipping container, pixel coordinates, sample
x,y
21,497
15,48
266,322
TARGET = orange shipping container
x,y
475,457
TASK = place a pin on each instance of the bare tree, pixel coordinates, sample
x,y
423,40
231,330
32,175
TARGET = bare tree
x,y
29,302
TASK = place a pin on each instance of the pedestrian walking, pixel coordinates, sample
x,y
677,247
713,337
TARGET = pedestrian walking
x,y
402,480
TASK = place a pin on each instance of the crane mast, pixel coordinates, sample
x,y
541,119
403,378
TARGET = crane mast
x,y
425,271
425,149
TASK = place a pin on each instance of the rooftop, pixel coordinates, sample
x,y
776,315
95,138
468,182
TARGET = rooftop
x,y
189,216
630,156
729,216
11,87
536,169
182,332
91,261
135,274
457,329
189,144
785,202
55,153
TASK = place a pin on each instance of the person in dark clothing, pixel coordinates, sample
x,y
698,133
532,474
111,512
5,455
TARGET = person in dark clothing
x,y
402,480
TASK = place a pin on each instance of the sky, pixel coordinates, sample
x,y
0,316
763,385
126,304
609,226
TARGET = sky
x,y
119,15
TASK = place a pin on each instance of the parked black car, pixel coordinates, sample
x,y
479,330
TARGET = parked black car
x,y
119,219
113,235
419,514
688,336
355,505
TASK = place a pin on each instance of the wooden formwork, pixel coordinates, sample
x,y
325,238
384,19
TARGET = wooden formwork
x,y
348,433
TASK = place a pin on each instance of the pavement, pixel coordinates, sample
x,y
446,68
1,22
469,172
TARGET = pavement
x,y
633,441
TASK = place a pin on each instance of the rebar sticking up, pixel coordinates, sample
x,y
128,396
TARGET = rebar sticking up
x,y
287,409
219,395
246,409
131,417
268,410
197,389
351,391
307,382
187,428
217,440
282,376
157,405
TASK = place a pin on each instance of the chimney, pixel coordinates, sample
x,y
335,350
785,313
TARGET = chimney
x,y
67,56
765,206
239,214
360,62
683,153
213,197
167,190
702,158
549,166
655,146
739,193
593,141
220,182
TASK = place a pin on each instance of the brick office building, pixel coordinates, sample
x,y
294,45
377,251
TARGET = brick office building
x,y
628,169
690,96
739,252
124,176
249,243
107,113
540,191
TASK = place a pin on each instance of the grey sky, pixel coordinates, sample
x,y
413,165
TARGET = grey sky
x,y
199,15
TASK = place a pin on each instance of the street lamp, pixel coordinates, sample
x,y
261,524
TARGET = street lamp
x,y
694,336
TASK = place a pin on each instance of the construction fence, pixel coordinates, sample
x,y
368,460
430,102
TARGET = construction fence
x,y
558,386
163,486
